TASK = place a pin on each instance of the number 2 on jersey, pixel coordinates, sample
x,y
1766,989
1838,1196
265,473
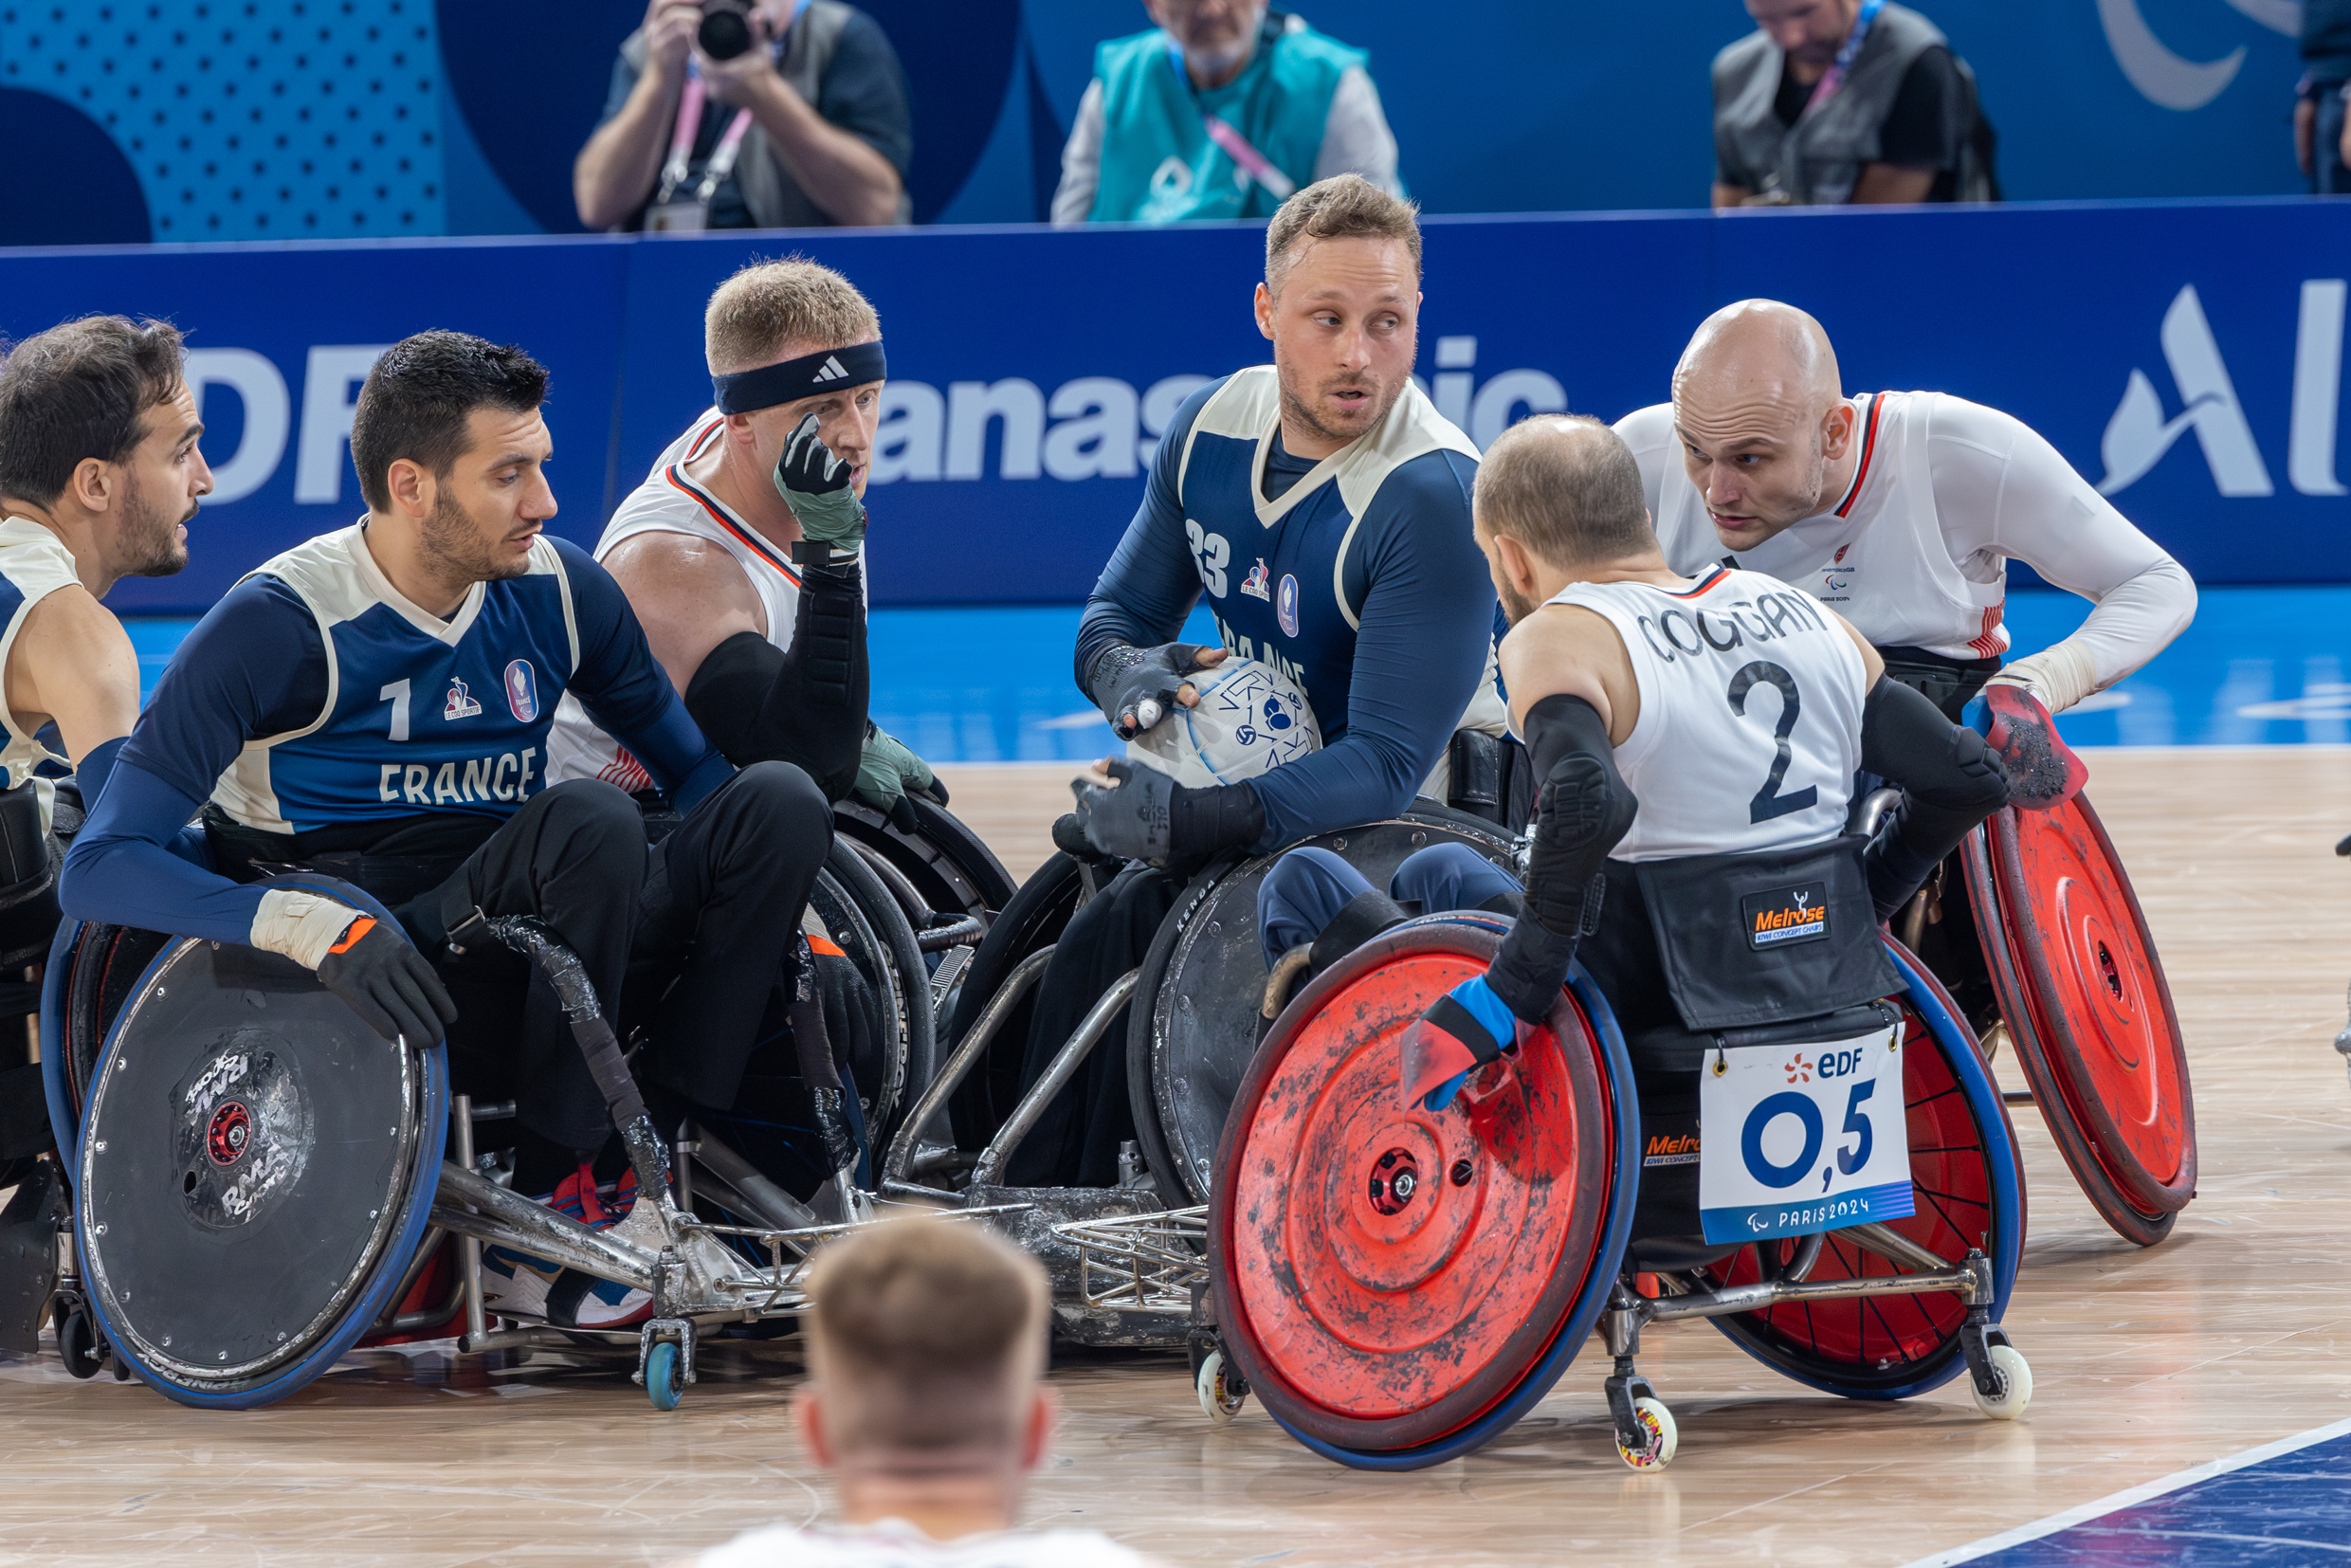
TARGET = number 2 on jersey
x,y
1769,802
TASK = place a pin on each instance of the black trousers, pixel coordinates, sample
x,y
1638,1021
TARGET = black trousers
x,y
1076,1142
713,911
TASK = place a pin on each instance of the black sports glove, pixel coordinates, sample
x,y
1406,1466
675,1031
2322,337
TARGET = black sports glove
x,y
816,484
388,983
1136,686
1148,817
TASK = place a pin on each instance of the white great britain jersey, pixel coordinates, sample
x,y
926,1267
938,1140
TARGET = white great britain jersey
x,y
1750,725
1915,552
669,502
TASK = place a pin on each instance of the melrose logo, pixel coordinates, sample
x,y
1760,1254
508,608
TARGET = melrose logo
x,y
2139,436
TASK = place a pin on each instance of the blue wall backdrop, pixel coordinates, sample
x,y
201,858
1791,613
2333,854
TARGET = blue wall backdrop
x,y
201,119
2187,357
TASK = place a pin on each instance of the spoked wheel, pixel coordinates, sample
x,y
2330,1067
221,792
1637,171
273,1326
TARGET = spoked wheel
x,y
1399,1287
256,1168
2085,998
1196,1018
1969,1192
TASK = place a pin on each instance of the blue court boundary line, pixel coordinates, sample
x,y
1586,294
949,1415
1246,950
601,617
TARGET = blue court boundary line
x,y
2025,1534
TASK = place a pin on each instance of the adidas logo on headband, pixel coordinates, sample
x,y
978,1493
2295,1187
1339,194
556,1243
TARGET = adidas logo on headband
x,y
769,385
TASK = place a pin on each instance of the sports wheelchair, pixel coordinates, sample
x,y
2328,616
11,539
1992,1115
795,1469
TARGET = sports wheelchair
x,y
1400,1286
258,1183
2048,951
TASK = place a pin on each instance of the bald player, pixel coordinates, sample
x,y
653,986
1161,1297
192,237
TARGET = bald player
x,y
1900,510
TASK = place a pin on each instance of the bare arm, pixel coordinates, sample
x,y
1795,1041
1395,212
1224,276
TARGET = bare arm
x,y
1891,185
614,172
1729,195
689,596
2306,132
1872,663
73,663
1566,651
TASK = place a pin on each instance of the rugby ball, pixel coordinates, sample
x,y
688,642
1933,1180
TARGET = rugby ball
x,y
1250,718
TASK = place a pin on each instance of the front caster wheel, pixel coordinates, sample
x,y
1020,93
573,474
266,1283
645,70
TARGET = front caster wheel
x,y
664,1379
1222,1392
77,1343
2016,1385
1662,1438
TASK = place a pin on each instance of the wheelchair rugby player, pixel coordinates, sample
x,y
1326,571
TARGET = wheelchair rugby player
x,y
1696,741
1319,507
376,706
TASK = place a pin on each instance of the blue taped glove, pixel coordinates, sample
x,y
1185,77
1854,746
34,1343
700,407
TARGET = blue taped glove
x,y
2042,771
1463,1030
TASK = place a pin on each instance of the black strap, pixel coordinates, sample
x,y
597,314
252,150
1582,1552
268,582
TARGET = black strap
x,y
1358,921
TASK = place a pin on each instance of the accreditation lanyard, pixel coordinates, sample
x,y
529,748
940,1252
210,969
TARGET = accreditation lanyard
x,y
1833,78
690,124
1220,130
682,144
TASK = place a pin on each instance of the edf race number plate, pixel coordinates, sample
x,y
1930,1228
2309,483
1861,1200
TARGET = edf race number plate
x,y
1801,1138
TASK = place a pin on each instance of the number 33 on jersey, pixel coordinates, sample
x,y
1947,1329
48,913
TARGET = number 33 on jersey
x,y
1803,1138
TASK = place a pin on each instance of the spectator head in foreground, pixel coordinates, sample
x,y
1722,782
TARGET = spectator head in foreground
x,y
1220,111
926,1401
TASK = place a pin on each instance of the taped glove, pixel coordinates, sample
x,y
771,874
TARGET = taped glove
x,y
2042,772
1135,687
886,770
816,484
1465,1028
388,983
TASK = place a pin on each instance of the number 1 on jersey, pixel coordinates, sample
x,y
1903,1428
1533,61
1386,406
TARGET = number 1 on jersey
x,y
1769,802
397,695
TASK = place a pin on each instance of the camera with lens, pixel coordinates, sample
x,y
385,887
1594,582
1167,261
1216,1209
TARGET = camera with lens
x,y
725,30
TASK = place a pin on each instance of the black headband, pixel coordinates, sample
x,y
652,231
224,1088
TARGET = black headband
x,y
793,379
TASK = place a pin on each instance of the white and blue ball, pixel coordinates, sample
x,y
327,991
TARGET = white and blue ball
x,y
1250,719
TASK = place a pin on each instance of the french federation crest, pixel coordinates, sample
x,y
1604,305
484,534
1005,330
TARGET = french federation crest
x,y
1254,585
522,690
1285,607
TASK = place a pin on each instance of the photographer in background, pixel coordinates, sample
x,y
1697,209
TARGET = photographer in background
x,y
750,114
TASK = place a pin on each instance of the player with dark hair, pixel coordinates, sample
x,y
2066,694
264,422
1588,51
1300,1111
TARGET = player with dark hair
x,y
376,704
99,476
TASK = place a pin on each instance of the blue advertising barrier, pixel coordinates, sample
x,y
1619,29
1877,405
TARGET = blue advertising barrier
x,y
2186,356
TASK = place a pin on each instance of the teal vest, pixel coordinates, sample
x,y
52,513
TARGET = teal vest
x,y
1157,162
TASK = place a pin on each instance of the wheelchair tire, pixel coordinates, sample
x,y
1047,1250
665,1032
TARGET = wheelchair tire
x,y
1387,1334
2078,980
225,1258
1968,1185
1031,920
858,915
949,864
1203,979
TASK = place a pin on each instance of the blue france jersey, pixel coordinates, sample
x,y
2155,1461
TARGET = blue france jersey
x,y
1360,580
339,702
34,564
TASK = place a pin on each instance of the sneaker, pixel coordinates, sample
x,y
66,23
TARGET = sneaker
x,y
516,1284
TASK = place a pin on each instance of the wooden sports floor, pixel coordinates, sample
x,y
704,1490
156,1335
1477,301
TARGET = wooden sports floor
x,y
2235,1332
